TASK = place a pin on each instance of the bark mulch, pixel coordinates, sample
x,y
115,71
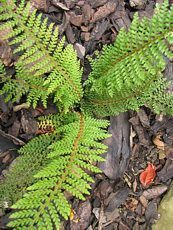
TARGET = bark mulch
x,y
118,200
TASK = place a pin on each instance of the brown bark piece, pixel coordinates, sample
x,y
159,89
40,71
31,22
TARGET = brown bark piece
x,y
82,219
120,18
59,4
142,135
97,3
167,172
131,204
151,212
41,4
28,123
70,35
143,201
65,23
99,30
144,118
104,11
116,199
5,145
80,50
154,192
103,189
15,140
76,20
138,4
87,13
85,36
85,28
118,152
5,53
14,129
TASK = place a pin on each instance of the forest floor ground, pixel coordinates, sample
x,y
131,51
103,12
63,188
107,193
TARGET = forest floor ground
x,y
119,198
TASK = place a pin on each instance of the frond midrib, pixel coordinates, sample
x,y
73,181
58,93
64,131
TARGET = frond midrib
x,y
64,73
136,50
114,101
64,175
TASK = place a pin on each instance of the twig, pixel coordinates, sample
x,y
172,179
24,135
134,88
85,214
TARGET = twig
x,y
101,217
12,138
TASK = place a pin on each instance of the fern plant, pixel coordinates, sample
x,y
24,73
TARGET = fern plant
x,y
129,73
78,146
126,75
45,66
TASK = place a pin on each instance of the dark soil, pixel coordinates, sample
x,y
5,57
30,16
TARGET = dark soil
x,y
118,200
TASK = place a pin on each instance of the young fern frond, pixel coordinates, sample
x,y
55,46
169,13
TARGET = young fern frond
x,y
78,148
122,75
45,66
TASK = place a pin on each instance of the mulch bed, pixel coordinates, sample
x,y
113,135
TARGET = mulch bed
x,y
118,200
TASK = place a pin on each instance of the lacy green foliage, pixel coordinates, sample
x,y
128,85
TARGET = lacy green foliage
x,y
44,67
2,71
20,176
69,158
125,76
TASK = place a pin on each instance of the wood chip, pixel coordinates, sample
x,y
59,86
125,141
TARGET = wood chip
x,y
5,53
17,108
70,35
154,192
131,204
81,218
41,4
76,20
16,140
104,11
7,159
59,5
143,201
138,4
87,13
80,50
157,141
135,184
144,118
167,171
85,36
97,3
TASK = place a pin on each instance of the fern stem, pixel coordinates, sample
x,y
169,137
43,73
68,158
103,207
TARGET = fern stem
x,y
64,175
114,101
160,36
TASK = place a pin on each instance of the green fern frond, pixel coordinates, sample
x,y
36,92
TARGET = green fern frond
x,y
78,148
31,159
154,95
2,70
161,100
124,71
45,65
11,89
